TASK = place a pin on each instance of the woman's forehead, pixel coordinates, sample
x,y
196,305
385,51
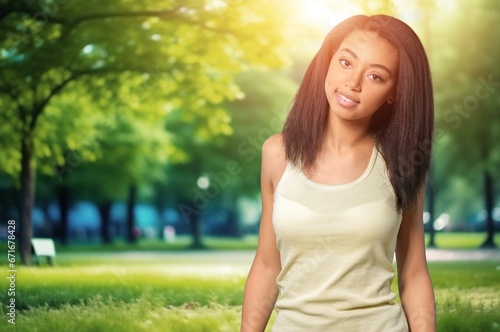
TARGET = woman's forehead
x,y
369,46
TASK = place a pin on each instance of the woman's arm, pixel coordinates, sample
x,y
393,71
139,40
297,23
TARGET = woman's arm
x,y
414,282
261,289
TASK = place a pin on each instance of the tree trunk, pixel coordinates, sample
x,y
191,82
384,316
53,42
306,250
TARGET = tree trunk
x,y
159,202
232,227
48,224
132,197
27,199
104,213
196,220
431,196
195,224
489,205
63,200
192,218
10,203
232,223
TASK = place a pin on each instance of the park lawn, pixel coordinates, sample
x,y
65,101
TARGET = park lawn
x,y
444,240
180,243
467,295
454,240
167,296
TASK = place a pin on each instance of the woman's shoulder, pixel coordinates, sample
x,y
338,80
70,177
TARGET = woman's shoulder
x,y
274,158
273,148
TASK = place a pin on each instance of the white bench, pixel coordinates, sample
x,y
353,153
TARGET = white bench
x,y
43,247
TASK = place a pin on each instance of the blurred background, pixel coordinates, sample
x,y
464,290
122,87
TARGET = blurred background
x,y
141,122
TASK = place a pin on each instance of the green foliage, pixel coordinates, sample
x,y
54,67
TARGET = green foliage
x,y
230,164
127,67
466,79
151,94
107,91
173,56
268,97
387,7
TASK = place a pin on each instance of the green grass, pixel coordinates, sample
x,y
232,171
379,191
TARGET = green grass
x,y
171,294
446,240
144,314
164,287
180,243
467,295
461,240
78,286
458,315
465,275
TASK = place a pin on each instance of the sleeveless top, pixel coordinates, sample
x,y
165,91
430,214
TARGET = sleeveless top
x,y
336,245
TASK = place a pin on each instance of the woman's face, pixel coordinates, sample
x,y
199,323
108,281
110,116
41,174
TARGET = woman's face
x,y
362,76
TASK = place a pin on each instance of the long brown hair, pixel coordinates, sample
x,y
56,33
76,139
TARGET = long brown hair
x,y
402,131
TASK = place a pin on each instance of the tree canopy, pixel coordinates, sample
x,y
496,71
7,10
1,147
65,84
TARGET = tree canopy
x,y
110,62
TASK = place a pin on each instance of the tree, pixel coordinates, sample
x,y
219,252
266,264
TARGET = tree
x,y
467,81
424,9
195,46
231,164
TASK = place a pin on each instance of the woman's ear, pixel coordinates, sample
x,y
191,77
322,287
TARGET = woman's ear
x,y
392,98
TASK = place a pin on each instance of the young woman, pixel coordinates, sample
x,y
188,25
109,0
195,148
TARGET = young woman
x,y
343,190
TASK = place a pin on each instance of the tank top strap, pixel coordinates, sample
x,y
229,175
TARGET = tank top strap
x,y
288,170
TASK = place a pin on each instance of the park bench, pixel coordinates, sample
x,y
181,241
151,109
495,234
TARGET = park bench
x,y
43,247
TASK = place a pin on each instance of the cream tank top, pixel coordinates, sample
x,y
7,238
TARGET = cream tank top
x,y
336,245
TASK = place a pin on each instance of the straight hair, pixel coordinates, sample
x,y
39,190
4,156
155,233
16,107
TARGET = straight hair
x,y
402,131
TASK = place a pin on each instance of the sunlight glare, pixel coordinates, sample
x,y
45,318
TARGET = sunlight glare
x,y
324,14
314,11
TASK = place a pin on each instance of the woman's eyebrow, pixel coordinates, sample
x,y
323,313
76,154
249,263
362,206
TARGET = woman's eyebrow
x,y
354,55
377,65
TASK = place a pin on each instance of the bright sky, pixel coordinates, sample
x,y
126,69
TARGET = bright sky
x,y
324,14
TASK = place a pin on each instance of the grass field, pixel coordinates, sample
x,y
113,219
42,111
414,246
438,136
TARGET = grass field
x,y
461,240
124,290
443,240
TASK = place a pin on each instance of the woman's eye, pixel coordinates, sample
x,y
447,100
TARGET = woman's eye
x,y
345,63
376,78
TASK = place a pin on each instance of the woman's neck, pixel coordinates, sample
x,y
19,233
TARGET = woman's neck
x,y
345,134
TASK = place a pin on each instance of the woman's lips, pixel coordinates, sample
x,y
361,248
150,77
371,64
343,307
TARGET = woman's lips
x,y
345,101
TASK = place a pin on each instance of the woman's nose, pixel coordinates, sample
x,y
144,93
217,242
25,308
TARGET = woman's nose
x,y
353,82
